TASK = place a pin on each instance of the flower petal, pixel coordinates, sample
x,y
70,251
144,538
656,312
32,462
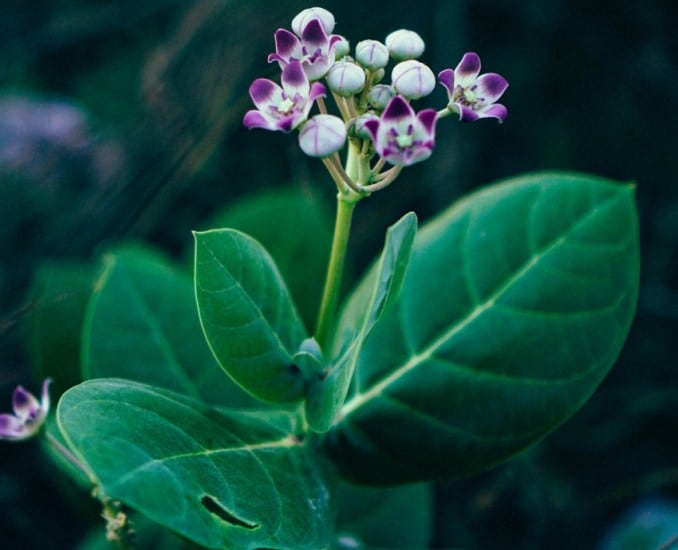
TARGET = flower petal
x,y
11,428
287,45
497,110
25,405
294,81
491,86
446,78
397,110
265,93
466,114
313,35
317,90
256,119
428,118
468,69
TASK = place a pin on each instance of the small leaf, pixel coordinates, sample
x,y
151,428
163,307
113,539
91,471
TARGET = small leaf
x,y
142,324
247,315
223,479
377,292
516,304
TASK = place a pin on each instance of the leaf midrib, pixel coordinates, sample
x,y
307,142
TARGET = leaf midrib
x,y
415,360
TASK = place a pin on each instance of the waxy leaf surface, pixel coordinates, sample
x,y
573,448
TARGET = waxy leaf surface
x,y
142,324
515,305
247,315
223,479
326,396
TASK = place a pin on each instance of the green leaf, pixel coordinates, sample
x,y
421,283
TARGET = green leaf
x,y
59,298
142,324
328,394
516,304
300,252
247,315
392,517
223,479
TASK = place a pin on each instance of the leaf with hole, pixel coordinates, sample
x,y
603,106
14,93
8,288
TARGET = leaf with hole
x,y
247,315
221,478
516,303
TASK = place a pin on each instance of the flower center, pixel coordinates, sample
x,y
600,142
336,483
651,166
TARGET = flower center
x,y
404,141
469,96
285,106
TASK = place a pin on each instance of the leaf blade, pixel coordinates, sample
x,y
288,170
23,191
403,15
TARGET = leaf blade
x,y
222,479
484,361
247,315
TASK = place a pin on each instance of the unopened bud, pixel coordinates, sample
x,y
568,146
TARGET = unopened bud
x,y
341,47
358,129
322,135
371,54
304,17
413,79
346,78
380,95
404,44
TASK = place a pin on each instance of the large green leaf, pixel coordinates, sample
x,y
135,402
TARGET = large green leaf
x,y
301,253
223,479
327,395
516,303
247,315
142,324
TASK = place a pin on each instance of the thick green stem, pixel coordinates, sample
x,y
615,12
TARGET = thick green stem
x,y
330,299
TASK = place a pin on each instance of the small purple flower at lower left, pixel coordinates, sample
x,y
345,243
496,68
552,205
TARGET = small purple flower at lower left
x,y
29,414
283,108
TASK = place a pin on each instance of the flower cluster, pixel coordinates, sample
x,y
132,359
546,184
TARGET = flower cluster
x,y
376,119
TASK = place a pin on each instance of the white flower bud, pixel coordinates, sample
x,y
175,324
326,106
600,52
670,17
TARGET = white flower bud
x,y
304,17
341,47
346,78
380,95
413,79
322,135
404,44
371,54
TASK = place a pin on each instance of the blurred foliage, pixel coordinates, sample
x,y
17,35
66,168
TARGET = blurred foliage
x,y
122,120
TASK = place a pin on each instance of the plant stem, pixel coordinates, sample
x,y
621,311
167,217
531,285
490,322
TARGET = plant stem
x,y
330,299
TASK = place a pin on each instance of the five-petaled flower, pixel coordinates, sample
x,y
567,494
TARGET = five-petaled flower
x,y
314,49
29,414
400,136
283,108
473,96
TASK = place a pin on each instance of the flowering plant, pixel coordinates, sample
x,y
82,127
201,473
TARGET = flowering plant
x,y
466,342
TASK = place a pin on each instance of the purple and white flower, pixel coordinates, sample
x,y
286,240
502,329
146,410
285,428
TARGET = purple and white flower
x,y
313,48
29,414
402,137
322,135
472,96
371,54
285,108
346,78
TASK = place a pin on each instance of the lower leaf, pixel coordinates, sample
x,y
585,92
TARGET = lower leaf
x,y
222,479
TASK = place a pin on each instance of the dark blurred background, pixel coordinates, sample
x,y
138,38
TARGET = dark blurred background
x,y
122,120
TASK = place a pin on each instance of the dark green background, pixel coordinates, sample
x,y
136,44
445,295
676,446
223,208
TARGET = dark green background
x,y
159,89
